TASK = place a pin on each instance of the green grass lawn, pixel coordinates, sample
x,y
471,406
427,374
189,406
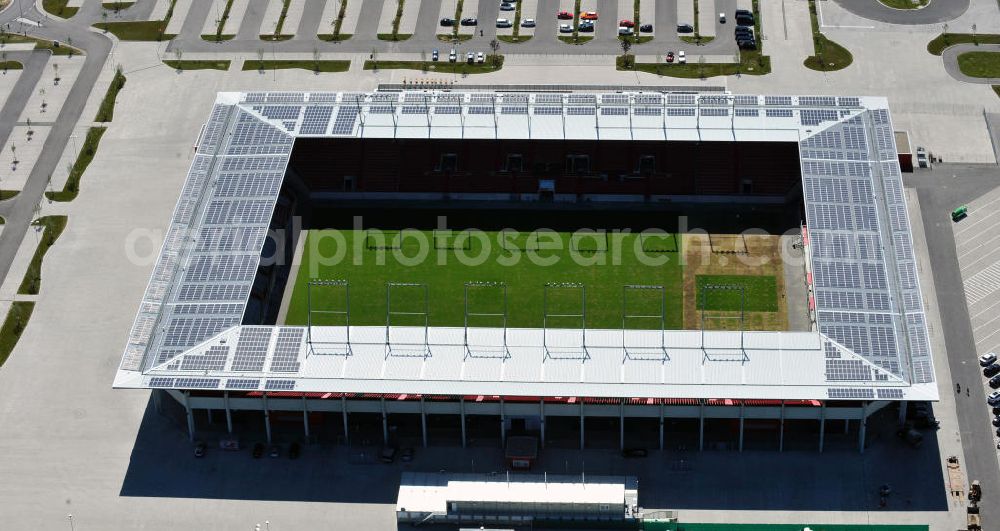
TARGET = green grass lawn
x,y
59,8
760,293
569,39
142,30
996,90
64,48
750,64
980,64
304,64
515,261
828,56
510,39
13,326
72,187
106,112
198,65
52,227
331,37
905,4
10,65
945,40
394,36
448,37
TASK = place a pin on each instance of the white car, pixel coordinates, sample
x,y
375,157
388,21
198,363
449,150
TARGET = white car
x,y
480,57
565,28
624,30
528,23
681,58
503,23
993,399
722,18
453,56
987,359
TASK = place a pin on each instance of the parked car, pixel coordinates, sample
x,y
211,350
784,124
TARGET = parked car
x,y
681,58
387,455
480,57
406,455
564,15
470,21
670,57
744,17
992,370
507,7
624,30
294,450
996,411
722,18
685,28
743,30
452,56
995,382
199,449
646,28
447,22
586,27
634,452
747,44
626,23
996,422
504,23
565,28
588,15
258,450
274,452
470,58
993,399
987,359
528,23
435,55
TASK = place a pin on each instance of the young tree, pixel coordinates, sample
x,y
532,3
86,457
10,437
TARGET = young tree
x,y
316,57
626,45
55,72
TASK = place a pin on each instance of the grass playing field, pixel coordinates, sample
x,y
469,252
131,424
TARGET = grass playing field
x,y
524,262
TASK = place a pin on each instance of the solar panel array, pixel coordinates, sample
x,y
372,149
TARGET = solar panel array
x,y
867,300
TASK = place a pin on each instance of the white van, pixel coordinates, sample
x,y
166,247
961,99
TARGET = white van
x,y
504,23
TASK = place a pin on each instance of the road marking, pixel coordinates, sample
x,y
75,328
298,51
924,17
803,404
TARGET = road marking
x,y
986,310
976,206
980,245
984,324
983,283
971,264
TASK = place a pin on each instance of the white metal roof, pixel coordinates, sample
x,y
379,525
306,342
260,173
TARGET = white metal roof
x,y
872,342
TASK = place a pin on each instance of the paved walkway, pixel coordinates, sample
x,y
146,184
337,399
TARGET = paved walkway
x,y
950,57
936,12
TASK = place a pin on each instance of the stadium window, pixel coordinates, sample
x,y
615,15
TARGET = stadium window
x,y
515,162
647,165
348,183
746,186
577,163
449,162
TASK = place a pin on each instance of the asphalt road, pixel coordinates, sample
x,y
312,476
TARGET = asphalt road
x,y
938,191
936,12
33,66
19,211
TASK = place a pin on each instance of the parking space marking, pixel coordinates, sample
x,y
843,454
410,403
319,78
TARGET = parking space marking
x,y
982,284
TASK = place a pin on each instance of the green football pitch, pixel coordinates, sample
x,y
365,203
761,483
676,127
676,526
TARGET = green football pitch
x,y
524,262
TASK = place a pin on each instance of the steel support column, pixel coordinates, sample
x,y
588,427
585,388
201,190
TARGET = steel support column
x,y
742,416
190,415
267,417
305,416
621,425
229,413
423,422
385,423
661,426
541,413
701,425
861,429
581,424
157,400
822,424
781,429
343,411
208,413
461,407
503,426
902,413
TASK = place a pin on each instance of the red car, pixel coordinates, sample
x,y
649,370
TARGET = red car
x,y
589,15
624,23
670,57
564,15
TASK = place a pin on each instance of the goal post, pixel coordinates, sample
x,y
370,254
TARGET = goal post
x,y
481,341
335,319
644,304
726,290
408,340
564,302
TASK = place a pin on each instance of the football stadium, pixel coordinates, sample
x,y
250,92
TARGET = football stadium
x,y
613,267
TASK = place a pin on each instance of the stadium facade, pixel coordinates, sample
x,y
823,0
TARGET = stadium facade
x,y
202,336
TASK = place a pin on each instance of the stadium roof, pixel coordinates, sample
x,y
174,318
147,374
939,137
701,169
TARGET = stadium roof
x,y
871,341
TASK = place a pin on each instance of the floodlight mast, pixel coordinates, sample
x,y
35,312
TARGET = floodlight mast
x,y
346,312
661,317
502,288
742,316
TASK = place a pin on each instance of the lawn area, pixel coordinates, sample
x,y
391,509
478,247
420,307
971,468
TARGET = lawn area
x,y
905,4
331,37
72,187
106,112
514,259
198,65
13,326
750,64
142,30
441,67
996,90
10,65
52,227
394,36
304,64
945,40
59,8
675,526
581,39
64,48
510,39
980,64
828,56
760,293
